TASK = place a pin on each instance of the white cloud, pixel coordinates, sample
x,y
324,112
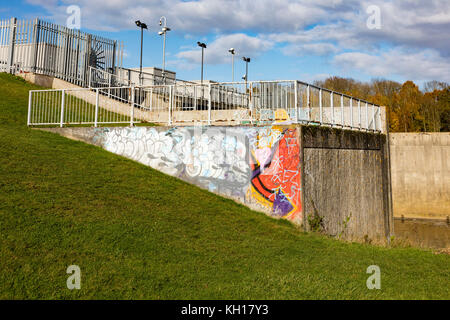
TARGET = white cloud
x,y
419,65
217,51
316,49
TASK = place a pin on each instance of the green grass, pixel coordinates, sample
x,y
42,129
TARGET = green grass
x,y
137,233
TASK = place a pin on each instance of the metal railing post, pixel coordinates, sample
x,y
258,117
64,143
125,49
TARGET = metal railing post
x,y
89,77
308,103
109,83
132,106
373,118
360,117
332,108
320,106
170,104
97,97
151,99
296,101
195,97
30,99
351,113
209,104
36,30
251,106
342,110
380,122
63,91
367,117
12,41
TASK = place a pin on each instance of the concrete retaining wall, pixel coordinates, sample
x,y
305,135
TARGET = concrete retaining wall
x,y
346,182
285,171
420,174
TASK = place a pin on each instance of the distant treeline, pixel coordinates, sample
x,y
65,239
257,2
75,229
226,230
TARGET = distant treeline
x,y
409,109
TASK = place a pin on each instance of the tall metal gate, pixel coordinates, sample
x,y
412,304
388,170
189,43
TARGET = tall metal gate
x,y
54,50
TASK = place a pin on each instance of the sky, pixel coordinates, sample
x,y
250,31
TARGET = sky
x,y
286,39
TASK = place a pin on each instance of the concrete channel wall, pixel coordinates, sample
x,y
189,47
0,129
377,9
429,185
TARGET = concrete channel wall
x,y
420,168
287,171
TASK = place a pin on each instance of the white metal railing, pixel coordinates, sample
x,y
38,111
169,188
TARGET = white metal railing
x,y
98,78
232,103
81,106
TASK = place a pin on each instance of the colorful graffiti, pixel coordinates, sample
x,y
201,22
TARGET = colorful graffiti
x,y
276,177
258,166
214,159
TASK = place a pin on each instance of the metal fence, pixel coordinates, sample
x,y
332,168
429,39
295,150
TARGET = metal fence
x,y
45,48
236,103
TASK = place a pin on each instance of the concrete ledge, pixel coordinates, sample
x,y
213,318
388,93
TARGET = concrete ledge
x,y
334,138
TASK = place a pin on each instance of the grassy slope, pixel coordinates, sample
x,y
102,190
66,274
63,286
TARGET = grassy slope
x,y
137,233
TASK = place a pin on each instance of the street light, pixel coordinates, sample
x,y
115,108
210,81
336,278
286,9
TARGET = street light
x,y
247,60
163,31
203,46
232,51
142,26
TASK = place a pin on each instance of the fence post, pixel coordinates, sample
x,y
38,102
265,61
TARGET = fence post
x,y
320,106
367,117
351,113
308,104
63,91
195,97
359,111
36,30
89,77
96,108
342,110
174,101
250,92
296,102
30,101
209,104
109,82
170,104
373,118
132,106
332,108
380,119
12,40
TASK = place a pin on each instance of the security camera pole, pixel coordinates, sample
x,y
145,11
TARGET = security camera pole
x,y
163,32
142,26
232,51
203,46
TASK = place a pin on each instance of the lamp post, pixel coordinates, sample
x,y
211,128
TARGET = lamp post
x,y
247,60
163,32
232,51
142,26
203,46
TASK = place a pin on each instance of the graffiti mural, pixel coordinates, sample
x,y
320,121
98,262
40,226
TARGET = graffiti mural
x,y
276,177
258,166
215,159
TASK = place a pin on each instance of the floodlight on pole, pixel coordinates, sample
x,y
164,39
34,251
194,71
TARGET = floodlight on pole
x,y
203,46
163,32
143,26
233,52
